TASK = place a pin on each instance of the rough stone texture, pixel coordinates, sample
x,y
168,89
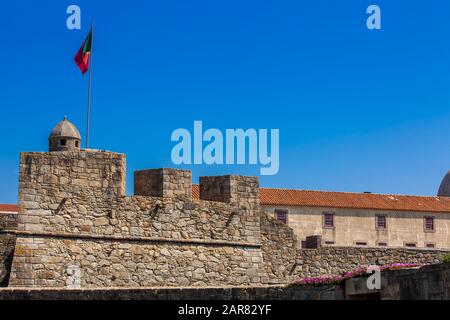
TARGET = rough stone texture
x,y
56,186
76,228
8,221
163,183
285,262
74,219
7,244
211,293
427,283
280,248
45,262
242,194
338,260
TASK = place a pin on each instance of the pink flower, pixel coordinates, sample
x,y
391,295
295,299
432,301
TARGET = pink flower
x,y
358,271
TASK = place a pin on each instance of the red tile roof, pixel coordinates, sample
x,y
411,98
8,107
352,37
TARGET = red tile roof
x,y
13,208
307,198
195,192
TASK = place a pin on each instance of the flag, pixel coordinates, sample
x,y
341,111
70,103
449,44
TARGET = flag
x,y
82,57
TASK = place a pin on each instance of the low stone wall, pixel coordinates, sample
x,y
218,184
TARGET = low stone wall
x,y
338,260
285,262
427,283
211,293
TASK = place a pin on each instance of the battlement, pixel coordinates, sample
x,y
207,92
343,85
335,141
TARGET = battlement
x,y
230,189
163,183
77,228
73,210
83,192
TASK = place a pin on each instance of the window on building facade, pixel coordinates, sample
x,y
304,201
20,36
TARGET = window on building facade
x,y
281,215
430,245
328,220
381,222
63,142
361,243
428,224
382,244
329,242
410,245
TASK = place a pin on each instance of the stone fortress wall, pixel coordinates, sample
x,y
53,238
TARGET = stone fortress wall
x,y
7,243
77,228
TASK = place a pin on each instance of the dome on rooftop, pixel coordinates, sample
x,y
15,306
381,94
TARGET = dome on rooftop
x,y
444,189
64,137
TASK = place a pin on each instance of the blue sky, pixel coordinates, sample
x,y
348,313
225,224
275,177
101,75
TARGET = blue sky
x,y
358,110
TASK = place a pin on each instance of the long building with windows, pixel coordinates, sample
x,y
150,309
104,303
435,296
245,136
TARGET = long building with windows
x,y
362,219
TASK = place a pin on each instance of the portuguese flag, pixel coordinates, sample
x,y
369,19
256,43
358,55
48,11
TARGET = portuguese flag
x,y
82,57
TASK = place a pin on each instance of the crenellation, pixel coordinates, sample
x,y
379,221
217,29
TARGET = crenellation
x,y
163,183
76,228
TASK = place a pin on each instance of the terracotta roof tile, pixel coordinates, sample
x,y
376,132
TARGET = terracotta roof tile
x,y
308,198
195,192
13,208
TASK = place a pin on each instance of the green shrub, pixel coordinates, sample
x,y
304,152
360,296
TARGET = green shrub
x,y
446,258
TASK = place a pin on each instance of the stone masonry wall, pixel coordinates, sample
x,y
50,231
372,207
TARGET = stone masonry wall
x,y
54,186
280,249
163,183
7,244
74,202
177,293
242,194
285,261
74,263
338,260
75,226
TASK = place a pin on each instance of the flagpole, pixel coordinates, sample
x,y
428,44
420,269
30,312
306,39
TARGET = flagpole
x,y
89,90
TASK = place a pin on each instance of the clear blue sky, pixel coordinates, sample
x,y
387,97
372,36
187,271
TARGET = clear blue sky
x,y
357,110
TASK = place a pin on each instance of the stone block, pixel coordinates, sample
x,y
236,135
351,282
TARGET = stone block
x,y
163,183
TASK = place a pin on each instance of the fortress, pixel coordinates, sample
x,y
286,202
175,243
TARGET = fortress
x,y
76,228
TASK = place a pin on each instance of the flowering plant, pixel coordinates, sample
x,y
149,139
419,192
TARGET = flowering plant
x,y
358,271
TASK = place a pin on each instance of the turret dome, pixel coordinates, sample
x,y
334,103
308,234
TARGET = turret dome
x,y
444,189
64,137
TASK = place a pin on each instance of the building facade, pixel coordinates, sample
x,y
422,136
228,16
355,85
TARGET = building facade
x,y
362,219
352,219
